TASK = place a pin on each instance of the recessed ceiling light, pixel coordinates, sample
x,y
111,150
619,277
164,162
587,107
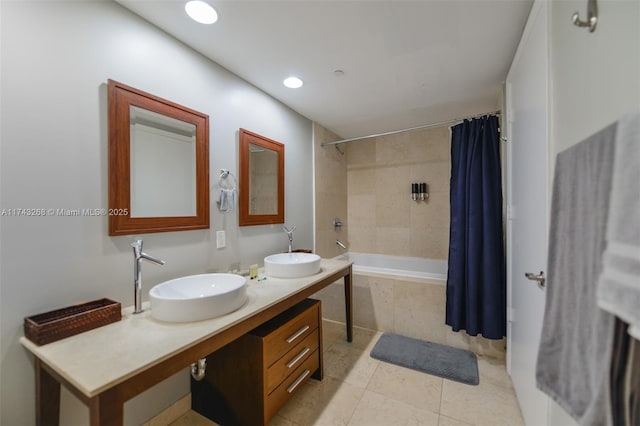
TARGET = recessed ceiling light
x,y
201,12
292,82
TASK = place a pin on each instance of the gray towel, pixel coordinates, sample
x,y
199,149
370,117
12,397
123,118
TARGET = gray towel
x,y
577,337
619,283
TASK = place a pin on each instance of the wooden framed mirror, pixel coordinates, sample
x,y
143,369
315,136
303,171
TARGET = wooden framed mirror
x,y
158,164
261,198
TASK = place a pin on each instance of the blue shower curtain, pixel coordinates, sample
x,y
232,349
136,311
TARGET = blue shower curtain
x,y
476,281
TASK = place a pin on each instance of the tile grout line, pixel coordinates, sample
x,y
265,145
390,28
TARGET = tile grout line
x,y
441,400
365,389
360,398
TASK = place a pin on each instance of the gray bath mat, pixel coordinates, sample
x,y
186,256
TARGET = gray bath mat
x,y
431,358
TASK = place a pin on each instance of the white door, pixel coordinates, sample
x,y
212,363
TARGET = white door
x,y
527,168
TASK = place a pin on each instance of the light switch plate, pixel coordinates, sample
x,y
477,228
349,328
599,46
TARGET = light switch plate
x,y
221,240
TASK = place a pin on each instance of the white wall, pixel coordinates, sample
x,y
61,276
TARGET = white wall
x,y
56,58
595,78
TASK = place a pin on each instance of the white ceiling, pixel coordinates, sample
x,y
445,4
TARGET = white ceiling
x,y
405,63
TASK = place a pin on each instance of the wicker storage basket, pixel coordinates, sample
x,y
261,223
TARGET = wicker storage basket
x,y
55,325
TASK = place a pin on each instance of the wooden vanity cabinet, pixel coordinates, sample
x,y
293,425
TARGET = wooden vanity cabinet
x,y
251,378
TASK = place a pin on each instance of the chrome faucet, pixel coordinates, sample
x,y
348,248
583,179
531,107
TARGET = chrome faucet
x,y
289,234
341,244
138,254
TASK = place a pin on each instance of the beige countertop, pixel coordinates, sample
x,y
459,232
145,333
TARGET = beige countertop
x,y
101,358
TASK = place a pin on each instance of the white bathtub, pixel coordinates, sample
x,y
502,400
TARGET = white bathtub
x,y
398,266
402,295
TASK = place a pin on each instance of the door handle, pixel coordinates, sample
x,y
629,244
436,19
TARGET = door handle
x,y
536,277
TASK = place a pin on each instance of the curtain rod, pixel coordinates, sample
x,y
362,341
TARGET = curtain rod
x,y
426,126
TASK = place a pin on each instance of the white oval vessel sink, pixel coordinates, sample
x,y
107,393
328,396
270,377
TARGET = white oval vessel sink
x,y
197,297
291,265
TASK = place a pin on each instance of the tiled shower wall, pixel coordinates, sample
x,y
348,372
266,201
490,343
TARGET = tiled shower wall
x,y
331,192
368,188
382,217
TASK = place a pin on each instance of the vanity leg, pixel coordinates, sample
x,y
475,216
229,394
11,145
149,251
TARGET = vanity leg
x,y
348,303
106,409
47,397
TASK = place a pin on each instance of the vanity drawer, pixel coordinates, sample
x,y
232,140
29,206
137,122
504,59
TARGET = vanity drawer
x,y
291,360
248,380
287,336
292,384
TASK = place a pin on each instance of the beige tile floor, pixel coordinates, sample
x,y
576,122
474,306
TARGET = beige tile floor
x,y
359,390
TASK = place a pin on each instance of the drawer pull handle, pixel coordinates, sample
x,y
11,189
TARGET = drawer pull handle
x,y
297,334
299,380
298,358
